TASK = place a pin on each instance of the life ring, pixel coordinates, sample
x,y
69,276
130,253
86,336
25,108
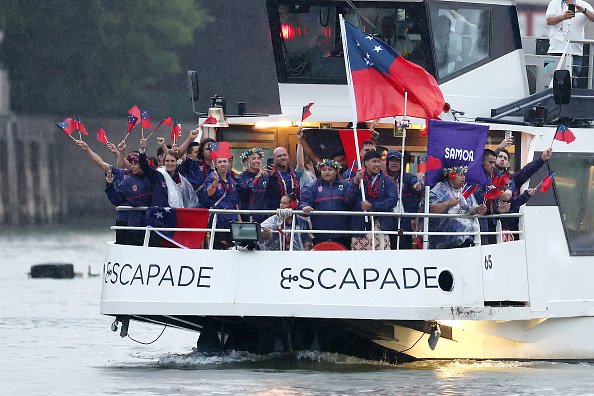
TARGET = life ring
x,y
329,246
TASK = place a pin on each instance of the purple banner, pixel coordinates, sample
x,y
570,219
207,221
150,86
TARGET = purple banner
x,y
456,143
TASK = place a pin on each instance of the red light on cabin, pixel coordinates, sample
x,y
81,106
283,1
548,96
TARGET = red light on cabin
x,y
288,32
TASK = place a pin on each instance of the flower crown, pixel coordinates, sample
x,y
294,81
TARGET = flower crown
x,y
132,157
254,150
451,172
328,162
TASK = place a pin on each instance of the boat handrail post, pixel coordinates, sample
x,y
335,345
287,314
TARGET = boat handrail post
x,y
426,219
212,232
147,236
292,234
373,234
476,226
499,230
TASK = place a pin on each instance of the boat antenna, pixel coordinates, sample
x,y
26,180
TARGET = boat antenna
x,y
349,2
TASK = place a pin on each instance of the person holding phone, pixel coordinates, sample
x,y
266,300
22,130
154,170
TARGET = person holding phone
x,y
566,20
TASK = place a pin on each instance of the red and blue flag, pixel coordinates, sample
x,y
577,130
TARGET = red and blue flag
x,y
101,135
175,130
159,217
428,164
166,121
380,76
468,190
306,112
133,116
564,134
220,150
79,125
145,122
67,126
210,121
547,182
327,143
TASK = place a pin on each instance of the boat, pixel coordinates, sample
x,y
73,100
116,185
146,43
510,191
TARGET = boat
x,y
527,297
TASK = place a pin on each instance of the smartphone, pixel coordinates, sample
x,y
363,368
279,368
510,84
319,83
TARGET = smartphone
x,y
508,134
270,162
571,7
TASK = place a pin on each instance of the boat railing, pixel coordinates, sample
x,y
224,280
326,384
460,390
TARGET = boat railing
x,y
566,61
501,234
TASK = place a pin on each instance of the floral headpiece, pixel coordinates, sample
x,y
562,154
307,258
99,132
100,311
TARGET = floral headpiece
x,y
133,157
329,162
254,150
451,172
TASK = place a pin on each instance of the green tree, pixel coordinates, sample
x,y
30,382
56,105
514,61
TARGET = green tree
x,y
94,57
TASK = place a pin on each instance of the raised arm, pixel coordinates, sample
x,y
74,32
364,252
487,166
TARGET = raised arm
x,y
122,155
104,166
307,150
191,137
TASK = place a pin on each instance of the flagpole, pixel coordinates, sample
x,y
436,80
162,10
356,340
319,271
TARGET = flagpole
x,y
401,182
142,132
353,100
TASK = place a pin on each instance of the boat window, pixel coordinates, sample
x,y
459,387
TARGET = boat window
x,y
308,43
461,36
574,186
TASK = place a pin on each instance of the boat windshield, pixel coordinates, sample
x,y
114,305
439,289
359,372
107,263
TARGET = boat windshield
x,y
308,43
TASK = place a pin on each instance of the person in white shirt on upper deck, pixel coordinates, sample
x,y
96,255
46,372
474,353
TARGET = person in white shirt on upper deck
x,y
566,25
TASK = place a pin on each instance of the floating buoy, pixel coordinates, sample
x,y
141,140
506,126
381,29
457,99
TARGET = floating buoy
x,y
52,270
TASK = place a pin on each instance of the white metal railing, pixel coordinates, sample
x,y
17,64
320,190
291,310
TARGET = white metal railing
x,y
476,233
568,65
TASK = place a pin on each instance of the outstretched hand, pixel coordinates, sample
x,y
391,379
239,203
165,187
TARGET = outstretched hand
x,y
122,146
82,145
547,154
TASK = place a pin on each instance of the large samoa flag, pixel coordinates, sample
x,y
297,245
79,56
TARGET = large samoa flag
x,y
328,142
454,144
160,217
380,77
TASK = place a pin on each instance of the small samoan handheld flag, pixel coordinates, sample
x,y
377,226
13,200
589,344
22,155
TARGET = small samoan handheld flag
x,y
175,130
564,134
101,135
501,181
145,122
166,121
133,116
220,150
468,190
547,182
67,126
79,125
430,164
306,112
493,193
210,121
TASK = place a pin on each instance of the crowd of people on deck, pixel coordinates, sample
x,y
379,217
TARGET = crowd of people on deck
x,y
188,177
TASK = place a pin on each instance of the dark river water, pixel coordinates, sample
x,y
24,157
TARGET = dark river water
x,y
54,341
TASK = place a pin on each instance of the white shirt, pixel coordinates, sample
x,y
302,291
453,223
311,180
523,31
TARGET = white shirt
x,y
569,29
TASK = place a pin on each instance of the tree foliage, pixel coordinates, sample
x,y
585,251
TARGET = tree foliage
x,y
92,56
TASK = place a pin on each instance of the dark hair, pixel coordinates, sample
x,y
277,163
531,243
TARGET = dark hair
x,y
338,154
191,146
154,160
380,149
489,152
371,155
368,142
292,197
203,144
503,151
160,150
